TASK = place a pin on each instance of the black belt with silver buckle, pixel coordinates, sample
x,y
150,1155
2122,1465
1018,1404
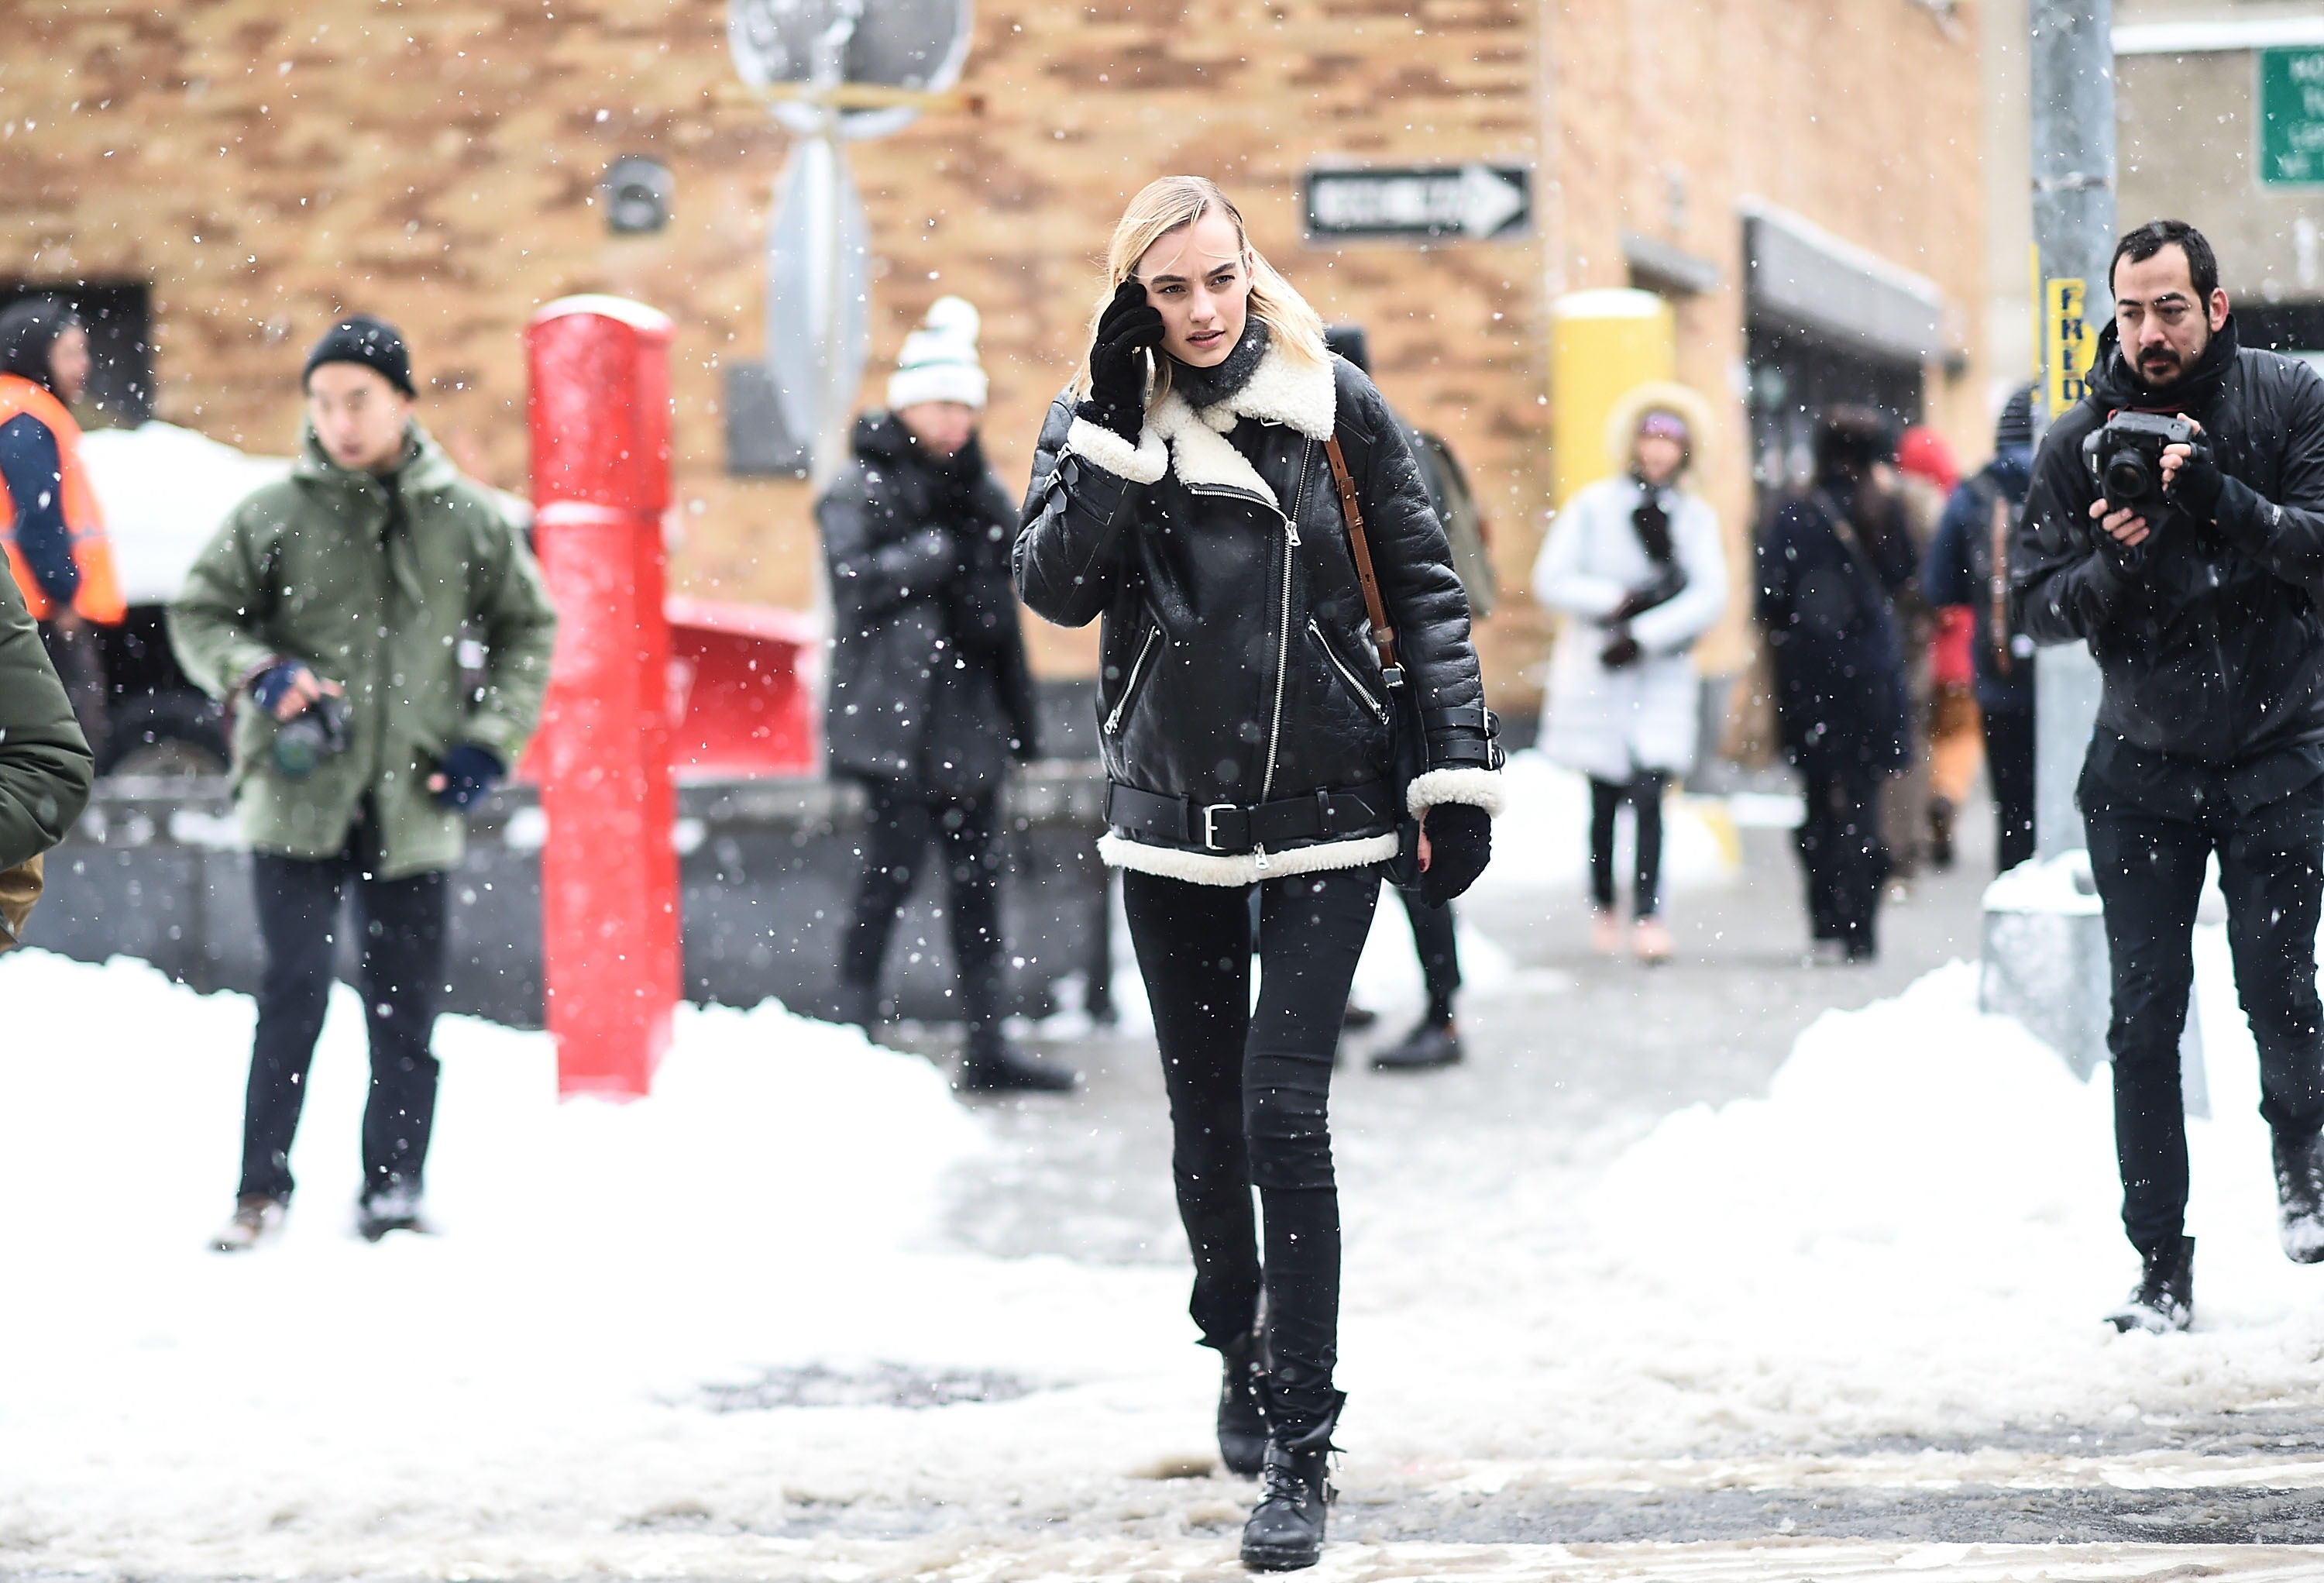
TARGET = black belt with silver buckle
x,y
1236,828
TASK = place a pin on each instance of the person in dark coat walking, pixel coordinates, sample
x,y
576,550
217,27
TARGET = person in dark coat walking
x,y
1968,565
2201,610
1196,494
930,696
1830,561
1435,1042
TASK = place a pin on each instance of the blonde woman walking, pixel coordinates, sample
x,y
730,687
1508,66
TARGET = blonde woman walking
x,y
1197,491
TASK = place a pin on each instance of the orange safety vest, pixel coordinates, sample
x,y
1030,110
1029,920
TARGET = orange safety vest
x,y
99,595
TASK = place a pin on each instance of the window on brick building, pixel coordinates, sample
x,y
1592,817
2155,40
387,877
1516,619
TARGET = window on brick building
x,y
118,318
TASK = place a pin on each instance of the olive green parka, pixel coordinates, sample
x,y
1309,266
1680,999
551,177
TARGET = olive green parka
x,y
45,768
314,569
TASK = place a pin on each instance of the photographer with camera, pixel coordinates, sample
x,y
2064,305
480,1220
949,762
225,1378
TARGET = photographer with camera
x,y
2176,522
336,609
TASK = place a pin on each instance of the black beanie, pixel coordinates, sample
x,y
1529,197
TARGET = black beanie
x,y
372,342
1348,341
28,335
2013,430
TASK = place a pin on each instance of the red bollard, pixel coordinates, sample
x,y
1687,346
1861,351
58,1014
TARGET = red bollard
x,y
600,419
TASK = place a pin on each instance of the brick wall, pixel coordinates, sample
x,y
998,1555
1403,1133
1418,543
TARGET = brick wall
x,y
264,167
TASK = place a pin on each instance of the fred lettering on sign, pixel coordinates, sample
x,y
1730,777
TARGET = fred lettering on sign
x,y
2068,342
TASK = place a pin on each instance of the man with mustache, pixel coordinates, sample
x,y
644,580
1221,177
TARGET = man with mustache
x,y
2202,615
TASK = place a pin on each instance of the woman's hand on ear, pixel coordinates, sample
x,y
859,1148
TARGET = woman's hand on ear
x,y
1117,398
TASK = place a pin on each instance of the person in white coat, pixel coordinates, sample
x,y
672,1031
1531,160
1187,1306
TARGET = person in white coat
x,y
1634,566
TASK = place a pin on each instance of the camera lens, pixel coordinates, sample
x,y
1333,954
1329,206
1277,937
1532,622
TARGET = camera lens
x,y
2128,475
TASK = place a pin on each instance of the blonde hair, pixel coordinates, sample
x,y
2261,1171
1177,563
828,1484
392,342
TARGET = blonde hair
x,y
1173,203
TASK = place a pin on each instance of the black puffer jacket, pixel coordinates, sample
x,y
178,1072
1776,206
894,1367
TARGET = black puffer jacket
x,y
1236,664
929,680
2211,648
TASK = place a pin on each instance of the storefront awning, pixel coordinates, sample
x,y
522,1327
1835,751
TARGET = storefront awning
x,y
1805,276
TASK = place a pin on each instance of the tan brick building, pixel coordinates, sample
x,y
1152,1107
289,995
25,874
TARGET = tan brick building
x,y
256,166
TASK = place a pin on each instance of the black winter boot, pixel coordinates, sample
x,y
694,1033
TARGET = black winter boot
x,y
1431,1044
1285,1531
2300,1197
1243,1420
2163,1301
993,1066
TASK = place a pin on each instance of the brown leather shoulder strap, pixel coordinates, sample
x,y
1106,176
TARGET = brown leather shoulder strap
x,y
1383,634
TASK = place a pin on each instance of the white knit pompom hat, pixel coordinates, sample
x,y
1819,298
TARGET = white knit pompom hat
x,y
938,363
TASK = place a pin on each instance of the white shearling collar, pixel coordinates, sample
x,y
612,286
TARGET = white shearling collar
x,y
1302,395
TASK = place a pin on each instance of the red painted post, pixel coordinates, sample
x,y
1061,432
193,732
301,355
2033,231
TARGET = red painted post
x,y
600,419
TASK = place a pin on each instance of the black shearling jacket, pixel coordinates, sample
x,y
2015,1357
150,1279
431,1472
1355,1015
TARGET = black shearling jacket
x,y
2209,642
1236,663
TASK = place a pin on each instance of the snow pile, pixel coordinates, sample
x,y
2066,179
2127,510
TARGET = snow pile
x,y
164,490
1911,1237
1913,1234
544,1370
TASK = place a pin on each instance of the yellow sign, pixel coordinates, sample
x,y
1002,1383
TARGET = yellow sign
x,y
2067,341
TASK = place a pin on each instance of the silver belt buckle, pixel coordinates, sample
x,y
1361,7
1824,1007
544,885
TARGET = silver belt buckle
x,y
1210,824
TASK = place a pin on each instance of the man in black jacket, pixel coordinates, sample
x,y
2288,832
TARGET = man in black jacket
x,y
2210,729
930,696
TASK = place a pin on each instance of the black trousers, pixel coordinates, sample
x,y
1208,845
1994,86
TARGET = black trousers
x,y
2009,770
2150,875
1250,1100
1643,794
80,666
900,825
1433,931
1841,851
400,930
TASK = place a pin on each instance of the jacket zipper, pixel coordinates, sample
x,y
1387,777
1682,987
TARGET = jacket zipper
x,y
1379,711
1129,688
1283,635
1283,628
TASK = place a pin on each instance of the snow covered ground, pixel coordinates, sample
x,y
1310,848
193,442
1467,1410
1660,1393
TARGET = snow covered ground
x,y
1882,1273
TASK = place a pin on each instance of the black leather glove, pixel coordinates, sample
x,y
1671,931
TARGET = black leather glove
x,y
469,772
1667,585
2195,488
1460,845
1621,650
1117,398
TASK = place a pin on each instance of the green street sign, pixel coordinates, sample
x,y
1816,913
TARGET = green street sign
x,y
2291,118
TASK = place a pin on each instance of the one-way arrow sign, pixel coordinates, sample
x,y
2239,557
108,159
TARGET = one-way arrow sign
x,y
1475,202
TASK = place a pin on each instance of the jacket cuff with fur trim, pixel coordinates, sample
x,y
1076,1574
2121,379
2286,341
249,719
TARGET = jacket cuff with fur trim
x,y
1478,788
1141,464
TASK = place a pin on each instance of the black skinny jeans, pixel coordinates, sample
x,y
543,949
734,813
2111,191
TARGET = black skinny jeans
x,y
1249,1094
1434,941
1841,851
2149,870
1643,794
2009,770
400,930
899,824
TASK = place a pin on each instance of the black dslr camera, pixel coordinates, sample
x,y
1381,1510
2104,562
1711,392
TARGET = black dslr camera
x,y
315,733
2125,457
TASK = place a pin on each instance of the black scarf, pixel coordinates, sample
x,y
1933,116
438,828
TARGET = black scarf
x,y
1651,521
1207,387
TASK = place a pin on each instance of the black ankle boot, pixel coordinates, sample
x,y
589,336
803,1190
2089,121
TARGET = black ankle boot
x,y
1242,1422
992,1064
1285,1531
2164,1298
2300,1197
